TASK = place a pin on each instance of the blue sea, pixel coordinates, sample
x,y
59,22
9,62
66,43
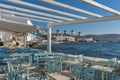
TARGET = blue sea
x,y
93,49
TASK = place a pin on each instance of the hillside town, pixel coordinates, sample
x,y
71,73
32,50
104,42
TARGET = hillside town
x,y
63,37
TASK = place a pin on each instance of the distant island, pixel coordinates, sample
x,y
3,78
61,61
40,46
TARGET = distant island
x,y
104,37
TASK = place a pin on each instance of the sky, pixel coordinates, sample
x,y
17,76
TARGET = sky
x,y
108,27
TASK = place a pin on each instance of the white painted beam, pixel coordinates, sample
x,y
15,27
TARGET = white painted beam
x,y
34,12
40,28
71,7
108,18
29,15
45,8
96,4
35,19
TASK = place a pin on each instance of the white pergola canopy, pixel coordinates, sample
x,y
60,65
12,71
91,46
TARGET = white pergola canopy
x,y
55,20
15,27
14,24
57,17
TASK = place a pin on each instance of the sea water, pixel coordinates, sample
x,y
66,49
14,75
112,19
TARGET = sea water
x,y
93,49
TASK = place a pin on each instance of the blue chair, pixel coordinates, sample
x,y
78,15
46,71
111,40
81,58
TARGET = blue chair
x,y
15,74
32,56
17,50
58,63
113,63
78,71
90,74
27,50
50,65
4,50
115,76
80,58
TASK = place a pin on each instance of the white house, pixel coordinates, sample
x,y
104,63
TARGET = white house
x,y
7,35
62,37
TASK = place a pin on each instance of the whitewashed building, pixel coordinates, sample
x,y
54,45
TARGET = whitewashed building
x,y
63,37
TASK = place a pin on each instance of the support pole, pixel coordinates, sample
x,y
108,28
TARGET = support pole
x,y
49,38
25,38
25,41
0,15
